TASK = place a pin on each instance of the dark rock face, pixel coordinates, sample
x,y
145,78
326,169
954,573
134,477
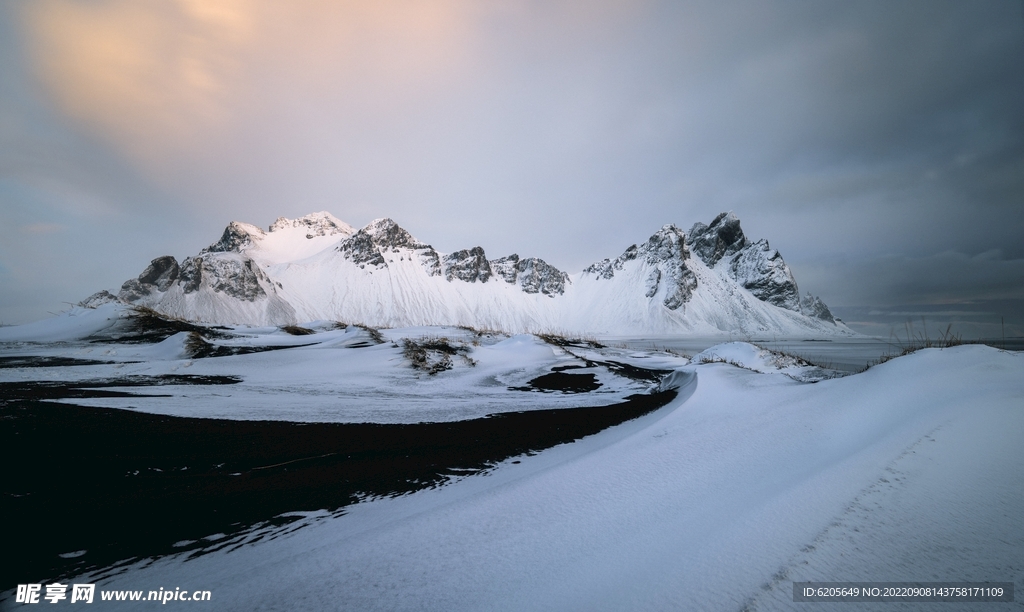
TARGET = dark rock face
x,y
669,246
667,252
235,237
430,261
762,271
720,239
538,276
191,274
469,265
360,249
161,272
756,266
159,275
505,268
388,235
98,299
812,306
238,277
534,275
605,268
652,282
368,246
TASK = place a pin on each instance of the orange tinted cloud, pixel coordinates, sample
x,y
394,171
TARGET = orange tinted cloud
x,y
147,76
170,81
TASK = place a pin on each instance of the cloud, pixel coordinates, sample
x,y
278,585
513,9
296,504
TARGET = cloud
x,y
43,228
944,278
177,86
151,78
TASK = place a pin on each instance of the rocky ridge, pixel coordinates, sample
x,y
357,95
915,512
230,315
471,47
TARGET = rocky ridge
x,y
754,265
316,224
666,254
242,267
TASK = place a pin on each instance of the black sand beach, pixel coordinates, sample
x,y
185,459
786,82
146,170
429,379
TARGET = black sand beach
x,y
119,485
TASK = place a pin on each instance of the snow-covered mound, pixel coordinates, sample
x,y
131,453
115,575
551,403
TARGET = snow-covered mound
x,y
765,361
97,314
710,280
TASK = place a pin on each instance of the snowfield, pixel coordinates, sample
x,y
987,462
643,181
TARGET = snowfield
x,y
748,481
333,375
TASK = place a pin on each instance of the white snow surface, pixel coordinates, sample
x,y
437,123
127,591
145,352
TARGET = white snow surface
x,y
297,239
73,324
763,360
332,375
908,471
307,278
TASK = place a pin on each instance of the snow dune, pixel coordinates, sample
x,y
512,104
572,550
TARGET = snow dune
x,y
909,471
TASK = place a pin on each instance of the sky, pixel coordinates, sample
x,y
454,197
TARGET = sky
x,y
879,146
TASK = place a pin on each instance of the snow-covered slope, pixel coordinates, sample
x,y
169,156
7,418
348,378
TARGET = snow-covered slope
x,y
709,280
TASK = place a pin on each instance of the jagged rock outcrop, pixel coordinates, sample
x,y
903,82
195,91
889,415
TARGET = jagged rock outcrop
x,y
538,276
667,253
532,274
668,247
606,268
387,234
316,224
360,249
236,276
469,265
754,265
760,269
652,282
720,239
158,276
812,306
369,245
236,237
98,299
506,268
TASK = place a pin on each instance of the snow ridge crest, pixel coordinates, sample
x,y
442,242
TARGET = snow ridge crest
x,y
320,223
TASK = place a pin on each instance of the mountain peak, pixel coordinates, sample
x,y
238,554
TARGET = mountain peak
x,y
722,238
388,234
320,223
236,236
368,245
668,243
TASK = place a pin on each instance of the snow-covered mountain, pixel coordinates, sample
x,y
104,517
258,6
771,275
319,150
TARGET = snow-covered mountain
x,y
708,280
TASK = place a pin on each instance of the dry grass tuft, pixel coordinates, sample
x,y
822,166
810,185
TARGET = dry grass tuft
x,y
434,354
375,335
916,341
565,340
296,330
